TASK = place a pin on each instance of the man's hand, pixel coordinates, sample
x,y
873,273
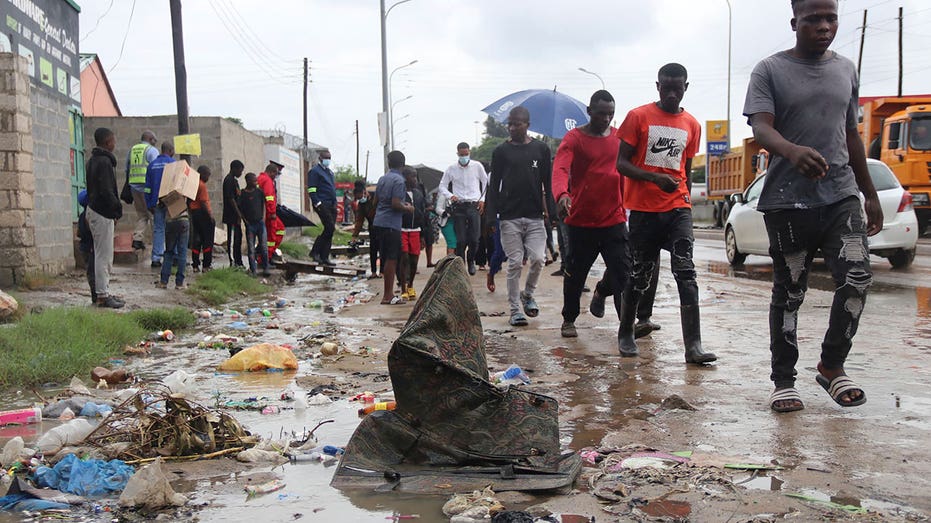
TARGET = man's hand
x,y
666,182
454,198
809,162
408,208
490,229
481,207
874,216
563,206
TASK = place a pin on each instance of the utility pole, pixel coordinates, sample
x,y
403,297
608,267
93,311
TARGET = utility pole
x,y
304,151
367,165
357,147
384,81
900,51
177,39
729,33
862,40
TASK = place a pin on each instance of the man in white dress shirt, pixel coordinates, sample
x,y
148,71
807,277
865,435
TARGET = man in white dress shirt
x,y
466,202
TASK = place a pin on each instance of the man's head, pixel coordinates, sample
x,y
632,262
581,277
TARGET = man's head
x,y
272,170
518,123
252,181
358,189
325,158
105,139
149,137
672,81
236,168
463,152
600,111
396,160
168,148
204,173
815,26
410,176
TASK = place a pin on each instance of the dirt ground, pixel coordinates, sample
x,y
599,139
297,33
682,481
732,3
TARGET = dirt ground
x,y
872,457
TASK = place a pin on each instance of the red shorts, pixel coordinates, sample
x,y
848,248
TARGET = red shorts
x,y
410,242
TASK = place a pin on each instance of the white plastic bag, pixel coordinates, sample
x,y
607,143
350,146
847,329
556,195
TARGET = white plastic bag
x,y
180,383
70,433
149,488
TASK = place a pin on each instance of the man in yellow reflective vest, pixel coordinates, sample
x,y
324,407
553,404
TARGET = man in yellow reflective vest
x,y
273,224
136,165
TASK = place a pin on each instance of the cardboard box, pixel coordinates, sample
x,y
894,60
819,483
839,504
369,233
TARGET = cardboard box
x,y
179,182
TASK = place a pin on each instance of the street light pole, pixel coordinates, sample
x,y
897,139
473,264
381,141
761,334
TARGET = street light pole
x,y
390,119
391,97
584,70
728,74
384,67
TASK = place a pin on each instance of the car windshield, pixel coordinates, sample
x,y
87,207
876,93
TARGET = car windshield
x,y
882,176
919,137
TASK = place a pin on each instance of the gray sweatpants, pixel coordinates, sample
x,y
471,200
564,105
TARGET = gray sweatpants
x,y
102,231
520,238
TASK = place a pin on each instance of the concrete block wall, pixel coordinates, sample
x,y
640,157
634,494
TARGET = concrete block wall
x,y
18,251
54,230
221,142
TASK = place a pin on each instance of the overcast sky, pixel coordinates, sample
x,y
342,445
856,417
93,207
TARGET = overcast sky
x,y
244,59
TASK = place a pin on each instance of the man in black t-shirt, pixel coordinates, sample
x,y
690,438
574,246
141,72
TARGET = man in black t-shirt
x,y
520,183
231,215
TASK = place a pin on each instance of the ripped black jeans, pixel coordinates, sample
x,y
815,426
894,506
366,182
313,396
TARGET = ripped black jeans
x,y
671,230
795,236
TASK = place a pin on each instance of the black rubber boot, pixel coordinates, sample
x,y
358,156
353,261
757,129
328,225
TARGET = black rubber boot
x,y
691,335
626,344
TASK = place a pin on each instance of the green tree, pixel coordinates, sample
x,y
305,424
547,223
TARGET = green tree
x,y
237,121
346,173
494,129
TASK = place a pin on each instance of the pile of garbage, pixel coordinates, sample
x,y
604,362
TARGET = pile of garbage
x,y
154,422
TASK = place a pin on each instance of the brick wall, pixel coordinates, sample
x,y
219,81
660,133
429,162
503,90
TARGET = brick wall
x,y
19,249
52,170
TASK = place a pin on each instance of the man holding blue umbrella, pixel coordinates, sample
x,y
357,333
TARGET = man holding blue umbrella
x,y
466,202
520,184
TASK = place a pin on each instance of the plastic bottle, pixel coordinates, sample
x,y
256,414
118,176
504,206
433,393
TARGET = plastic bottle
x,y
21,417
381,405
513,375
332,450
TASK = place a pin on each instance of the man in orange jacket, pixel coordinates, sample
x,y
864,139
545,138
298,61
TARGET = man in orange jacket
x,y
272,224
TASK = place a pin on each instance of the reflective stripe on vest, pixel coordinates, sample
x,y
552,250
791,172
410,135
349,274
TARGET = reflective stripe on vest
x,y
137,163
271,244
311,189
280,232
269,198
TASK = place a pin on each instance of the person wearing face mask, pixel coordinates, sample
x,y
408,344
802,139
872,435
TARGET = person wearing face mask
x,y
321,185
463,184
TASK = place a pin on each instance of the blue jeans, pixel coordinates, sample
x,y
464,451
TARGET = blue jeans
x,y
177,233
158,233
256,231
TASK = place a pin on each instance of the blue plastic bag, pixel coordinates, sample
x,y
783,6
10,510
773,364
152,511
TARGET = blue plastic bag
x,y
90,478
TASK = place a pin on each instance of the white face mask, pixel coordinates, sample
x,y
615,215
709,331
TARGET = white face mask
x,y
463,160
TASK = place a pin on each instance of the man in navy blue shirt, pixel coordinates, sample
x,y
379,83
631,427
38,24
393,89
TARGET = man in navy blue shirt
x,y
321,185
390,209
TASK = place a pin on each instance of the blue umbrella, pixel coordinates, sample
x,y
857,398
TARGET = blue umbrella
x,y
551,113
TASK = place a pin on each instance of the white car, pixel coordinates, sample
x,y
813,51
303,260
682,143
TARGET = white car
x,y
745,232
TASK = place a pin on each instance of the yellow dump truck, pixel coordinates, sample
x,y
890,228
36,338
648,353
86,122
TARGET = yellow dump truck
x,y
897,130
731,173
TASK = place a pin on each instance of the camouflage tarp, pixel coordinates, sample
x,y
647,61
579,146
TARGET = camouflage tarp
x,y
451,426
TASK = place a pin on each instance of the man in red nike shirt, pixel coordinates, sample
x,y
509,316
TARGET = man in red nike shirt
x,y
594,209
658,142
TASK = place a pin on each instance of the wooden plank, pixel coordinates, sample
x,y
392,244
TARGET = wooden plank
x,y
293,268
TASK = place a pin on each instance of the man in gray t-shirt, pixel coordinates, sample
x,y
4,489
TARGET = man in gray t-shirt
x,y
802,104
390,193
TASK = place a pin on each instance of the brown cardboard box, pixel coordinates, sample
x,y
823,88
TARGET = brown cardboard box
x,y
179,182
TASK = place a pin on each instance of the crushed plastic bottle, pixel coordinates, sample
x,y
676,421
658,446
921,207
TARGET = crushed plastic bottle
x,y
315,304
513,375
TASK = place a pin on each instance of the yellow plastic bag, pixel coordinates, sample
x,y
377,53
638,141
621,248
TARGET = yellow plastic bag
x,y
260,357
